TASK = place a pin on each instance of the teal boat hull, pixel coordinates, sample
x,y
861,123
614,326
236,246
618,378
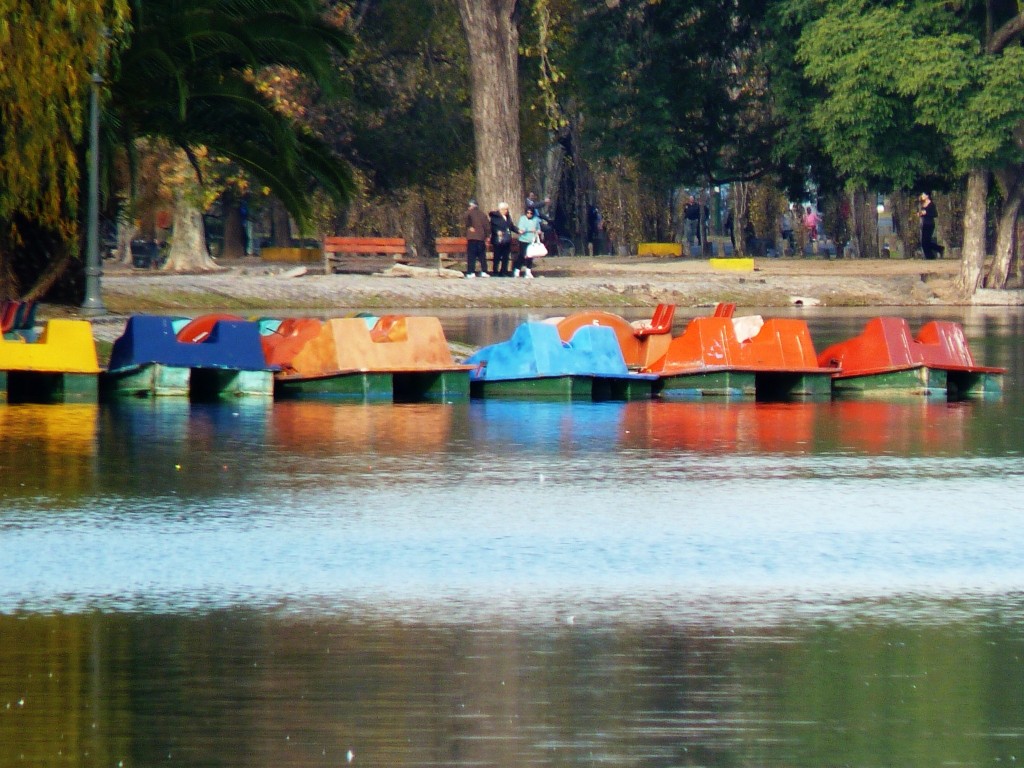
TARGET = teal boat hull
x,y
410,386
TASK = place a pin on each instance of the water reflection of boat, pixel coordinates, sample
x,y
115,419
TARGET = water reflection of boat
x,y
731,356
886,359
549,426
716,426
57,367
394,357
536,363
48,447
910,426
210,357
315,426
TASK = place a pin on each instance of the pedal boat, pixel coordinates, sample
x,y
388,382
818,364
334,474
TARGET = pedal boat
x,y
744,357
535,363
59,366
395,358
886,360
209,358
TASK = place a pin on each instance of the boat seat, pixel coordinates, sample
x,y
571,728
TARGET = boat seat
x,y
25,318
8,314
661,322
725,309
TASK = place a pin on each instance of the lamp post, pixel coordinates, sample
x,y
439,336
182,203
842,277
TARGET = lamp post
x,y
93,304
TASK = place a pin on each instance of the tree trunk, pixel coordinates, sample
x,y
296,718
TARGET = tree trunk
x,y
899,204
126,231
492,34
280,224
554,160
188,247
1006,228
972,264
234,234
741,216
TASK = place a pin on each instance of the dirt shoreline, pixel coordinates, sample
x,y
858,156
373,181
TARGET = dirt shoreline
x,y
249,286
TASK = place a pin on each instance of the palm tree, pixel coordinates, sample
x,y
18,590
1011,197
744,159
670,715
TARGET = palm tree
x,y
189,75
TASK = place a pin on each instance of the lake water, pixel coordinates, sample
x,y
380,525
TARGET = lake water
x,y
509,584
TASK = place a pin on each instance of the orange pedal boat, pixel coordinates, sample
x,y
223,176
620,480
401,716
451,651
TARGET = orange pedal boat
x,y
394,357
886,359
642,342
732,356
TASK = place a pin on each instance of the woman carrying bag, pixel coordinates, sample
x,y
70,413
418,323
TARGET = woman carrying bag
x,y
530,246
502,229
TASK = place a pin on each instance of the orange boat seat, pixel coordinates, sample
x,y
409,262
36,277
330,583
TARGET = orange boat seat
x,y
661,321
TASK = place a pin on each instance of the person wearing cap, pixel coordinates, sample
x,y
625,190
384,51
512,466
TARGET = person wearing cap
x,y
477,228
502,229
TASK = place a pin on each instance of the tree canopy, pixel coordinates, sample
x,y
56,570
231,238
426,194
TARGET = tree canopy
x,y
677,86
191,75
50,52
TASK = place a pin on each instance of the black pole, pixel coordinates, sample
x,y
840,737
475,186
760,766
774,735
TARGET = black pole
x,y
93,304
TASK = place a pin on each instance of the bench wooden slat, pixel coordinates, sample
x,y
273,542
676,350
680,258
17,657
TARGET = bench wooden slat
x,y
450,244
336,245
364,245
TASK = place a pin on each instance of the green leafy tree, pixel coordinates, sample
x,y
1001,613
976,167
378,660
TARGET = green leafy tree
x,y
677,86
917,88
49,52
190,75
406,113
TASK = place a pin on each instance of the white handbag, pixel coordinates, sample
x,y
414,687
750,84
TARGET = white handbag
x,y
535,250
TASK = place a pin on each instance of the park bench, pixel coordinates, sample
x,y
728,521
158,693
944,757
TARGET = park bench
x,y
335,248
451,251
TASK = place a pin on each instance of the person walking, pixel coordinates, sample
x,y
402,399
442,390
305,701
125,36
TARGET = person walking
x,y
502,229
929,247
691,221
786,230
477,227
529,232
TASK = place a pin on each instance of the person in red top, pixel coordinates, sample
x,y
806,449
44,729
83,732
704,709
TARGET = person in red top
x,y
477,229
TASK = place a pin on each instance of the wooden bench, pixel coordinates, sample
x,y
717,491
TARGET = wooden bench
x,y
336,247
451,251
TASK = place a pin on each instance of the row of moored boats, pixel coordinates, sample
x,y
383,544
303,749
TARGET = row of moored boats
x,y
592,355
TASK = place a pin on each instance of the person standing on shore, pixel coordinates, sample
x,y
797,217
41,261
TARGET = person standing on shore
x,y
786,230
691,221
529,232
477,227
502,229
929,247
811,222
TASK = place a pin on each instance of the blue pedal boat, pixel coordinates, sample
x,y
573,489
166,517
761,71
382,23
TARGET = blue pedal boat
x,y
536,364
151,360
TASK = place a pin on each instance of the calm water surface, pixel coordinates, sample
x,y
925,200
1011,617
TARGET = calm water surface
x,y
649,584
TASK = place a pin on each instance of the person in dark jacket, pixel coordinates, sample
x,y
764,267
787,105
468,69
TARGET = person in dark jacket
x,y
929,247
691,221
502,230
477,228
